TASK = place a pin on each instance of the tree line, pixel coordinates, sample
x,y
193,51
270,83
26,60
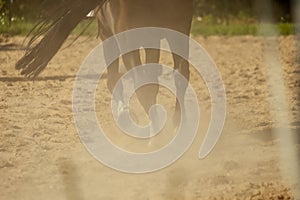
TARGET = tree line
x,y
219,9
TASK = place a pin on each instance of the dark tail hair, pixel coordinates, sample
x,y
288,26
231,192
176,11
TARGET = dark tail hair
x,y
55,28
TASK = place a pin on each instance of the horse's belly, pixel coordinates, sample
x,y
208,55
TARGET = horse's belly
x,y
157,13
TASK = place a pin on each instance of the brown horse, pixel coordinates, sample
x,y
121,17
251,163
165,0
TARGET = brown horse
x,y
115,16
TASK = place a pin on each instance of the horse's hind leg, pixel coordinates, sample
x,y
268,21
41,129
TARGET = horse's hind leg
x,y
105,19
113,74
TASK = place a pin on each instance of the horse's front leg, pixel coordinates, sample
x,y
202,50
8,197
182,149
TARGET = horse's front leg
x,y
152,57
146,94
182,66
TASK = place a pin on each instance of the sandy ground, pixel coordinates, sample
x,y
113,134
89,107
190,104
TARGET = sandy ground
x,y
41,156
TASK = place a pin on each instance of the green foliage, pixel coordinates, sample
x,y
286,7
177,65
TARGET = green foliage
x,y
209,19
4,12
88,27
214,17
286,28
17,28
2,2
199,28
225,9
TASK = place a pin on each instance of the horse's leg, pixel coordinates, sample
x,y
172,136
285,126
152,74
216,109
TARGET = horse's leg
x,y
113,74
145,94
152,56
105,19
182,66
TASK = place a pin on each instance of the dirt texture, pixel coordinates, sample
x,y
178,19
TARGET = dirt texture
x,y
42,157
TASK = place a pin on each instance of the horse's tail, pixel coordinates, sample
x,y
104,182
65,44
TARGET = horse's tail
x,y
56,29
